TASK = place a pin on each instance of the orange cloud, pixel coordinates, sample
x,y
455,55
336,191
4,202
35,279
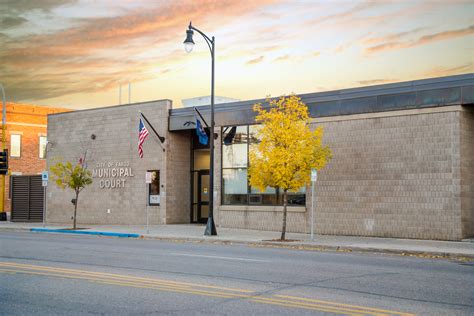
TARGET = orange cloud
x,y
347,14
282,58
255,61
376,81
443,71
422,40
97,53
392,37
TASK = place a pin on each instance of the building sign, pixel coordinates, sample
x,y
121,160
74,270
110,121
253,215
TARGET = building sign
x,y
154,199
112,174
148,176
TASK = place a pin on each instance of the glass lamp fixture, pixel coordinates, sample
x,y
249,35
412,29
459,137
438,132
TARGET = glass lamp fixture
x,y
188,42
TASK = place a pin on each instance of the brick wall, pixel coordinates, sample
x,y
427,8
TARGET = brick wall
x,y
30,122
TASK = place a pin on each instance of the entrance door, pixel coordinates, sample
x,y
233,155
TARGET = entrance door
x,y
203,195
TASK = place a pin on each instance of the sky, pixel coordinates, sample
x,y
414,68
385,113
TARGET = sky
x,y
77,53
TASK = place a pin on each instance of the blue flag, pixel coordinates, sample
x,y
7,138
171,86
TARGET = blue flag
x,y
201,133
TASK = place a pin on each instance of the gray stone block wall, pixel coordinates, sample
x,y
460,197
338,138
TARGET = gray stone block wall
x,y
467,172
392,175
178,178
116,141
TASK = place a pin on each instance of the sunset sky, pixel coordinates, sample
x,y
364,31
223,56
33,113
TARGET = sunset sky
x,y
75,54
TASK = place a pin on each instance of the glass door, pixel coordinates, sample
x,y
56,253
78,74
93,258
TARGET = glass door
x,y
203,195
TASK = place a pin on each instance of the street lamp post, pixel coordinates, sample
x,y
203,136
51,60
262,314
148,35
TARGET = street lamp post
x,y
188,45
4,123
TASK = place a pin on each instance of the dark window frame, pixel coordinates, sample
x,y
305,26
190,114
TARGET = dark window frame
x,y
278,195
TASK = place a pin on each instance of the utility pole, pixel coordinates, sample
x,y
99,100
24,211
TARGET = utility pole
x,y
4,124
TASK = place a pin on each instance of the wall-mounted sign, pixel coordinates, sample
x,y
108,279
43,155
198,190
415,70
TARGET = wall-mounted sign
x,y
148,176
112,174
154,199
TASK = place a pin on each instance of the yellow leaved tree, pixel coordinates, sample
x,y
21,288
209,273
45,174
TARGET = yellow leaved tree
x,y
288,149
73,176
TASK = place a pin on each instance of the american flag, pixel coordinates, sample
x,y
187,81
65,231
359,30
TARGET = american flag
x,y
142,135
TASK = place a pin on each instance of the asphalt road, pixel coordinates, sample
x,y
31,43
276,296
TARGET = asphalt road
x,y
52,274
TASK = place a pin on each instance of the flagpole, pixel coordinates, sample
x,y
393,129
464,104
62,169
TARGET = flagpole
x,y
202,118
161,138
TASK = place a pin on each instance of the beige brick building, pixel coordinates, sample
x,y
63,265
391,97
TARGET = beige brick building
x,y
402,164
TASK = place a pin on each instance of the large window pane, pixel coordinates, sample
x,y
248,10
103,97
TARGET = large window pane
x,y
235,181
15,144
234,156
234,135
234,186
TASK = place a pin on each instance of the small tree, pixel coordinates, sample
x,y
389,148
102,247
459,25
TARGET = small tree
x,y
75,177
287,151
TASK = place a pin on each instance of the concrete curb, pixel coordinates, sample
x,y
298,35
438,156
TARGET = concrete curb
x,y
316,247
82,232
263,243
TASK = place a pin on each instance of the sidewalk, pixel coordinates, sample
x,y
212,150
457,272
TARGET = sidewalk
x,y
195,233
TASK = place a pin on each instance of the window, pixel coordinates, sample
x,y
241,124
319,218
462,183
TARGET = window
x,y
236,143
15,145
154,188
42,147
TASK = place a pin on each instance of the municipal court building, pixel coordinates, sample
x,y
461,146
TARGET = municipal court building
x,y
402,166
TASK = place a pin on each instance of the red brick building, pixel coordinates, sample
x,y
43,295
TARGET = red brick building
x,y
26,130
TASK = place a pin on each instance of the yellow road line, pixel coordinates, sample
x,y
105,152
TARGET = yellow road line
x,y
347,305
249,297
181,287
121,277
93,275
69,276
196,292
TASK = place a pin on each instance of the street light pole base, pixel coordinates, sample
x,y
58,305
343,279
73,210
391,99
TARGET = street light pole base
x,y
210,228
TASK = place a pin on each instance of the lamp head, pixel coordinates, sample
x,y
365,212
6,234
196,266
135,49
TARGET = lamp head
x,y
188,42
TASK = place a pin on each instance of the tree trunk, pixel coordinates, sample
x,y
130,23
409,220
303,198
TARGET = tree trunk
x,y
285,202
75,211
